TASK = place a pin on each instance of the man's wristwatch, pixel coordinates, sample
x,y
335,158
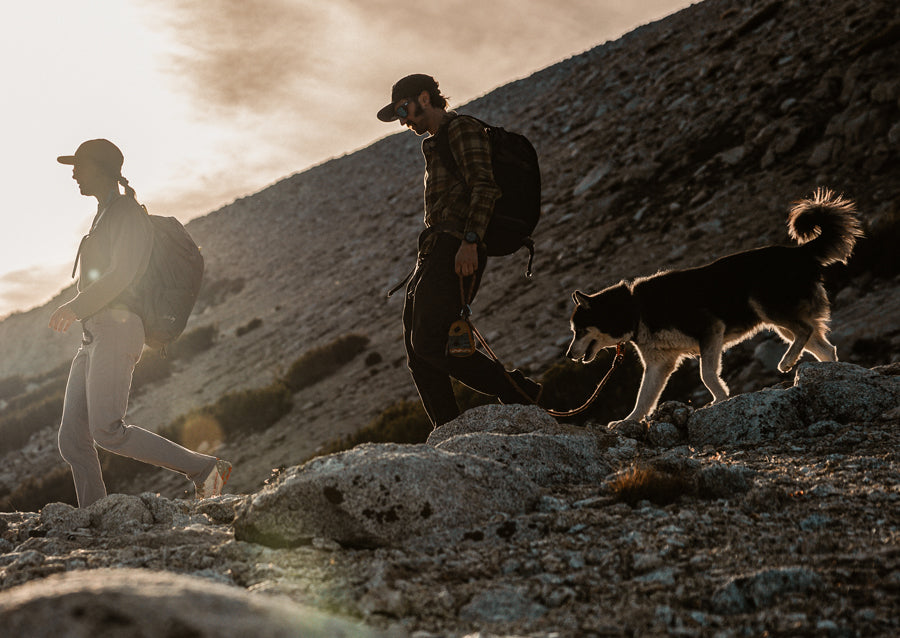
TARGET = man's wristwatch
x,y
471,237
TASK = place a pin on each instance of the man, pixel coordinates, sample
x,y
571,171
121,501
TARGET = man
x,y
458,207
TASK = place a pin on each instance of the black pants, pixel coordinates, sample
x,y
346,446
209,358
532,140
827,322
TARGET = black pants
x,y
432,304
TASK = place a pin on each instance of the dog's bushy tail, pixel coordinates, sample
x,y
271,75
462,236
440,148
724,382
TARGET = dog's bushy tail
x,y
827,225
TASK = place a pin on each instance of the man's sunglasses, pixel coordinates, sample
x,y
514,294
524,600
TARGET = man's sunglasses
x,y
402,111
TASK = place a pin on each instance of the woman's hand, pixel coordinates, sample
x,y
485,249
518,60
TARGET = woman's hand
x,y
62,318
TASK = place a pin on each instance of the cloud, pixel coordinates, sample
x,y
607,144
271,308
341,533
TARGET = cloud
x,y
22,289
235,54
289,83
273,55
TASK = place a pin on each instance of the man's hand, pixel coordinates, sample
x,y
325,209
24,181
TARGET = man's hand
x,y
467,259
62,318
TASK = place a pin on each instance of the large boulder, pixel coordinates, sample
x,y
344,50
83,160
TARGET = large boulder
x,y
138,602
747,418
822,391
547,459
844,392
384,495
501,419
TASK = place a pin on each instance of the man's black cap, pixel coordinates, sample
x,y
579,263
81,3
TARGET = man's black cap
x,y
410,86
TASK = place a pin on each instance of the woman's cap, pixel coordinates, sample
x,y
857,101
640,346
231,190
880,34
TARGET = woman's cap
x,y
103,153
410,86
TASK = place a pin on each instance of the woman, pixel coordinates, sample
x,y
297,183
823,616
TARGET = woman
x,y
111,256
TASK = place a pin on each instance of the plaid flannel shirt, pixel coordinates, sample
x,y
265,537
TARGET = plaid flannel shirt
x,y
461,205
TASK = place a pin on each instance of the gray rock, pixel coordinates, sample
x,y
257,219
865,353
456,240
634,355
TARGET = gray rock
x,y
591,179
132,602
666,576
894,134
822,428
886,91
64,517
116,513
120,513
383,495
733,156
722,481
501,605
821,153
663,434
629,429
503,419
673,412
757,591
220,509
747,418
845,392
547,459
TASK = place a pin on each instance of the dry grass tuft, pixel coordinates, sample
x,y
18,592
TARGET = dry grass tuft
x,y
646,483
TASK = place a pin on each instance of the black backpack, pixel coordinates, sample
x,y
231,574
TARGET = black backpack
x,y
518,175
167,290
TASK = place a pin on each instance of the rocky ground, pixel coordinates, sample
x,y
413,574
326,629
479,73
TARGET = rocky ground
x,y
789,529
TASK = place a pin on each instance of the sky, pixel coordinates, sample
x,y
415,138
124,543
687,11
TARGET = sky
x,y
212,100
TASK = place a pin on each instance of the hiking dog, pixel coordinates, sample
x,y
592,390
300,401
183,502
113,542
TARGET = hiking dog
x,y
704,311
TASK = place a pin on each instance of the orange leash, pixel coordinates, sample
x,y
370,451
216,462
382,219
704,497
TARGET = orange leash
x,y
465,316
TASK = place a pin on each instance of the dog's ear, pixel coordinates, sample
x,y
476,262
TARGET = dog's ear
x,y
581,299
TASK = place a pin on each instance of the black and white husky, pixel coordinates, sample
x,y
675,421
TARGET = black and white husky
x,y
704,311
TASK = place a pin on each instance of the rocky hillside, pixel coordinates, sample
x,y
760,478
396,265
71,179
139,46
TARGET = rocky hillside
x,y
685,140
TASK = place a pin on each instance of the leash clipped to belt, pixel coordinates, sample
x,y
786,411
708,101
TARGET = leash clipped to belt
x,y
461,344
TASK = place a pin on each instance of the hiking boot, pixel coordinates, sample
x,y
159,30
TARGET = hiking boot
x,y
214,482
529,391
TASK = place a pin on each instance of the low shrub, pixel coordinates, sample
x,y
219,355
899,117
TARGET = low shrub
x,y
234,413
215,291
55,486
400,422
154,367
404,422
568,384
17,426
38,395
373,359
192,343
32,411
319,363
12,387
151,368
59,372
467,398
251,325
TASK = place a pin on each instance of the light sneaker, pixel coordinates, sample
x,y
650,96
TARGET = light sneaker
x,y
213,484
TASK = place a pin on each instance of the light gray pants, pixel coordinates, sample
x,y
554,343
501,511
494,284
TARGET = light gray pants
x,y
95,405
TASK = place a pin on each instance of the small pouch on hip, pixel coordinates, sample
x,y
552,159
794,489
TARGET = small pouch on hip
x,y
460,340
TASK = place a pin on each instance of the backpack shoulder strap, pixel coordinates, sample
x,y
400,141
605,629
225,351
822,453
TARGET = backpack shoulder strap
x,y
442,144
